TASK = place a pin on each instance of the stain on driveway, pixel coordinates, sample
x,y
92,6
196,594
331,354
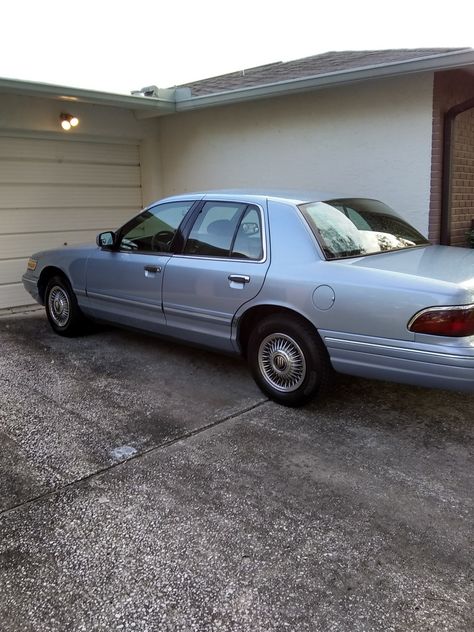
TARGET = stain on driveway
x,y
75,406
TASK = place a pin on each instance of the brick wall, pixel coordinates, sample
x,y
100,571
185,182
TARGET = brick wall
x,y
462,182
450,88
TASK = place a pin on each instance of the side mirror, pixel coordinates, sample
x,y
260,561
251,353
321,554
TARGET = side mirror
x,y
106,240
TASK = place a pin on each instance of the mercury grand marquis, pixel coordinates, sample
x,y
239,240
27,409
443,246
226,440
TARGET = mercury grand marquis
x,y
299,284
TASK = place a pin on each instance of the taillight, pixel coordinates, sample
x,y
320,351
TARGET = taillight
x,y
444,321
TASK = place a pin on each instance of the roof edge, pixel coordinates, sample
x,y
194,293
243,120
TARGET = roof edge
x,y
173,100
442,61
164,101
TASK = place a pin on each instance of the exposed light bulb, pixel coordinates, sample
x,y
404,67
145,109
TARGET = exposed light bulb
x,y
68,121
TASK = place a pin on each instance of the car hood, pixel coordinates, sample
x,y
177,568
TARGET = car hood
x,y
81,249
437,263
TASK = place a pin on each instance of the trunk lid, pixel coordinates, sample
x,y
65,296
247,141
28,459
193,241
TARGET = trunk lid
x,y
438,263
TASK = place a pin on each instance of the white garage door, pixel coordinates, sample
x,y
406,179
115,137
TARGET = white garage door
x,y
56,193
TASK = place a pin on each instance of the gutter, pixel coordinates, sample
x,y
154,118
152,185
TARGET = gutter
x,y
163,103
444,61
446,188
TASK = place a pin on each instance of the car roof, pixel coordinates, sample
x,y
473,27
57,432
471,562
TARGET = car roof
x,y
292,196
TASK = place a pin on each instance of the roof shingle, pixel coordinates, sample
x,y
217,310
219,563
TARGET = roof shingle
x,y
313,66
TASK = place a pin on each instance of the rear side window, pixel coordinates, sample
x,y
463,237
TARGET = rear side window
x,y
226,229
248,240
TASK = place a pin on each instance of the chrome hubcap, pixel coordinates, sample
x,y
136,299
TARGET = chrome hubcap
x,y
282,362
59,306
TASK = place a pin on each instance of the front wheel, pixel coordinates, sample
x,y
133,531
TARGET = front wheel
x,y
288,360
62,310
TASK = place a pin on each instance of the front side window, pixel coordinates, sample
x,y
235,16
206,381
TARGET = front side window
x,y
154,229
226,229
357,227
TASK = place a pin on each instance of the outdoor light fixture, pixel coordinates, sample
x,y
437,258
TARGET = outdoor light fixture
x,y
68,121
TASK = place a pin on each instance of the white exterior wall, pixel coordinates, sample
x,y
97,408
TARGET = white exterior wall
x,y
369,139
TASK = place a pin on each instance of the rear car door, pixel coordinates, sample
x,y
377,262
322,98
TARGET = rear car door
x,y
222,266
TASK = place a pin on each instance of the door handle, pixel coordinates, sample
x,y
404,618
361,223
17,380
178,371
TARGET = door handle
x,y
239,278
152,269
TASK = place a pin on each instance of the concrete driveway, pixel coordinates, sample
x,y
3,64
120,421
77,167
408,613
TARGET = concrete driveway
x,y
145,486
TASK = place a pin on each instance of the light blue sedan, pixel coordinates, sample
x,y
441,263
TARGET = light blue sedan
x,y
299,284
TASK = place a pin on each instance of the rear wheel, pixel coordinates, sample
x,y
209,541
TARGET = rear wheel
x,y
64,314
288,360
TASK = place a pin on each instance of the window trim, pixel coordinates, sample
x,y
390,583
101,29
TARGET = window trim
x,y
192,220
175,244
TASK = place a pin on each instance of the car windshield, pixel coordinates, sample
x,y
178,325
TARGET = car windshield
x,y
357,227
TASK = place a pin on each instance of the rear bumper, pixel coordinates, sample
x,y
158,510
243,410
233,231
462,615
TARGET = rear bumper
x,y
450,367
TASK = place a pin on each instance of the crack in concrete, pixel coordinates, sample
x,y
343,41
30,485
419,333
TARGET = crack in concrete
x,y
161,446
8,312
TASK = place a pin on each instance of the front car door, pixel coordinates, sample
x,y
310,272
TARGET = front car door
x,y
222,266
124,284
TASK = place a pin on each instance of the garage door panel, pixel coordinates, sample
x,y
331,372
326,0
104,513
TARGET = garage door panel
x,y
12,247
14,295
47,196
18,221
68,150
30,172
12,270
56,192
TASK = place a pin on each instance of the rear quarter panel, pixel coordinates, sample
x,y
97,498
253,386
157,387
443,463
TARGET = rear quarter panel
x,y
368,301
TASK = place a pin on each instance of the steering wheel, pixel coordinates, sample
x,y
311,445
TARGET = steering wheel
x,y
161,241
128,244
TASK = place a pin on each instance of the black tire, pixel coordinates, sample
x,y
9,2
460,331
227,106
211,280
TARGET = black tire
x,y
62,310
288,360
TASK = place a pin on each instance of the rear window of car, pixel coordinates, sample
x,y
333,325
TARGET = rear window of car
x,y
356,227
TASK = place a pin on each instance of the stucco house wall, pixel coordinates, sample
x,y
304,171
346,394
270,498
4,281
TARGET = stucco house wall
x,y
369,139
